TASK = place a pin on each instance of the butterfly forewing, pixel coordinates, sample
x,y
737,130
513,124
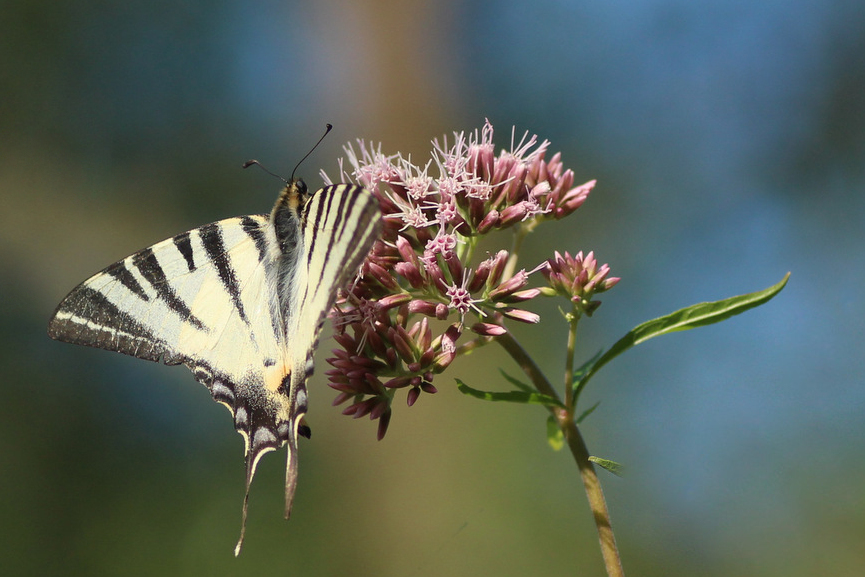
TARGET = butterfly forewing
x,y
214,299
169,299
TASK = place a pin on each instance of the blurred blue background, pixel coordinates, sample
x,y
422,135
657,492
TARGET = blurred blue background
x,y
728,138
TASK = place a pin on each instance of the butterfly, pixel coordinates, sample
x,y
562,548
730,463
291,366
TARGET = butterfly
x,y
241,303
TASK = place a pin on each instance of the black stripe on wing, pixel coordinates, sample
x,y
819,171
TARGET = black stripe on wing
x,y
184,247
324,217
341,223
122,274
87,317
148,265
211,238
255,231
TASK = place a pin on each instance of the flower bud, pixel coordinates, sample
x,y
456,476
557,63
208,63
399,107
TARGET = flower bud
x,y
379,408
497,268
428,387
481,159
488,329
412,396
398,382
435,274
426,358
521,315
442,361
383,423
340,399
478,277
521,296
423,307
540,189
455,266
405,250
376,343
402,344
346,341
490,221
514,187
424,337
518,281
384,278
393,300
391,356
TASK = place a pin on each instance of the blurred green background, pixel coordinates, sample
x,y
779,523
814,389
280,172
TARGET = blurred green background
x,y
728,138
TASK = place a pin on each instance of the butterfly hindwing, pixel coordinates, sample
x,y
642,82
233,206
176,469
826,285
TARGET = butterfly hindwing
x,y
340,223
240,302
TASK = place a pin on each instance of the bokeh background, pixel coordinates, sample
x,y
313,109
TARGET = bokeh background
x,y
728,138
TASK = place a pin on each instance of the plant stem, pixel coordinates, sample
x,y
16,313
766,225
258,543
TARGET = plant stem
x,y
467,347
520,235
595,495
577,445
527,364
573,320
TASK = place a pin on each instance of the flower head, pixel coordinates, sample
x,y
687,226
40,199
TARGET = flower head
x,y
579,278
399,324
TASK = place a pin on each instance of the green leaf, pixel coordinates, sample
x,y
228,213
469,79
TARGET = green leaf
x,y
517,383
510,396
582,369
698,315
613,467
587,412
555,436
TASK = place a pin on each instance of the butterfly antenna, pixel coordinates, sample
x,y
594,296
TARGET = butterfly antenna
x,y
249,163
327,129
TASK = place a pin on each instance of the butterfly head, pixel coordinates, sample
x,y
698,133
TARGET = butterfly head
x,y
293,197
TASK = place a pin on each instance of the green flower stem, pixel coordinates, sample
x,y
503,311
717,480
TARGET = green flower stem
x,y
595,495
473,344
527,364
573,321
520,235
577,445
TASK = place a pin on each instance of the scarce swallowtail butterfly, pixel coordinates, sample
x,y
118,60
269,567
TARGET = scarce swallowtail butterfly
x,y
241,303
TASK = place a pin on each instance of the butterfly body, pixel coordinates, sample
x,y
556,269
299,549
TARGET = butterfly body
x,y
240,302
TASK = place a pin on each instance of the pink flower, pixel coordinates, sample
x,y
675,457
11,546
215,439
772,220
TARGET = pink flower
x,y
579,278
387,327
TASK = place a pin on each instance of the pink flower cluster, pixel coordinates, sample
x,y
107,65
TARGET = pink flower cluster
x,y
578,278
399,323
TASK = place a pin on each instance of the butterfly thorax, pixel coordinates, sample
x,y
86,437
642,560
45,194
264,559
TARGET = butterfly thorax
x,y
285,215
285,219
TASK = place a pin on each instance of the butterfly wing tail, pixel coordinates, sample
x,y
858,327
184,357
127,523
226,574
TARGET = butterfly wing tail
x,y
265,436
290,482
253,454
296,427
239,545
252,457
290,473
